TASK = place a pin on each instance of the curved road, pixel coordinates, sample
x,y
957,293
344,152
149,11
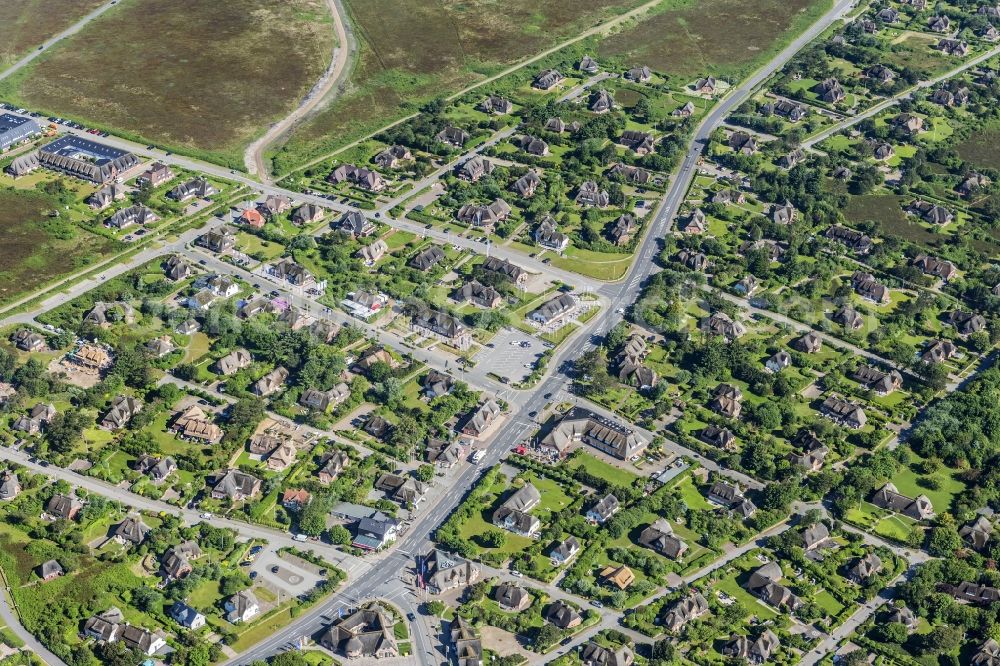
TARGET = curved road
x,y
343,52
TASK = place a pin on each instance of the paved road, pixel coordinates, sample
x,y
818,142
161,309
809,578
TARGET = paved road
x,y
13,623
344,51
49,43
418,539
276,538
892,101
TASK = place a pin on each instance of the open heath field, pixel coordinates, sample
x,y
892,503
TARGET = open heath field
x,y
36,248
413,51
725,38
24,24
197,76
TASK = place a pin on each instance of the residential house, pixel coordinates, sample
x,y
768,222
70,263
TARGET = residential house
x,y
442,572
779,361
721,324
848,317
10,486
233,362
452,136
867,287
436,384
547,79
562,615
271,383
930,212
639,74
743,143
236,486
106,196
764,584
333,466
582,425
843,412
641,143
660,537
512,598
241,607
938,352
35,421
219,240
130,531
548,237
392,156
976,533
815,536
176,561
890,499
194,424
123,408
810,343
196,188
186,616
49,570
156,175
27,340
966,323
603,509
295,499
375,533
142,640
494,104
441,326
402,489
865,568
720,437
356,224
478,294
757,651
553,310
104,626
532,145
727,401
620,577
590,194
623,229
513,514
484,216
307,214
588,65
564,551
684,610
526,185
282,457
601,101
706,86
505,269
324,401
372,252
366,632
854,240
474,168
829,91
427,258
480,420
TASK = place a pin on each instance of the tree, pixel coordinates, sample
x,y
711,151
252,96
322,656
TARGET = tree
x,y
340,535
494,538
893,632
312,519
65,429
941,639
289,659
425,473
435,607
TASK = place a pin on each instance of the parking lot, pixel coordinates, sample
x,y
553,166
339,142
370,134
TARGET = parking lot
x,y
508,360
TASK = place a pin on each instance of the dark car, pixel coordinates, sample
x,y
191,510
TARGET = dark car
x,y
411,617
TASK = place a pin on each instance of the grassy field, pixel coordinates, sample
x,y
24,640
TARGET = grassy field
x,y
722,37
431,49
37,249
980,148
24,24
202,77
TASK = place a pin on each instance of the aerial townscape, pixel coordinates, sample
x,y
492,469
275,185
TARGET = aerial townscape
x,y
605,333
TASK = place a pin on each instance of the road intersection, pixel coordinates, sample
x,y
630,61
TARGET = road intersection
x,y
377,575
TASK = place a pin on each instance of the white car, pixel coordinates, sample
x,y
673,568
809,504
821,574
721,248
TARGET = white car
x,y
300,537
516,573
478,455
205,516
